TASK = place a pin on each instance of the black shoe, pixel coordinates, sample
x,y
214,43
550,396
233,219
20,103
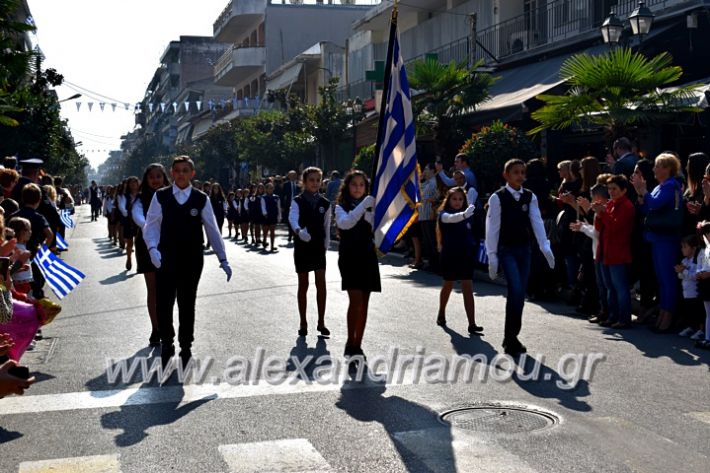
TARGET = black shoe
x,y
303,331
166,354
475,329
185,356
154,340
606,323
323,330
514,348
441,321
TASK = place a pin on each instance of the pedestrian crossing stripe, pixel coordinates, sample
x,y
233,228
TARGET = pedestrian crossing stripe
x,y
701,416
92,464
288,455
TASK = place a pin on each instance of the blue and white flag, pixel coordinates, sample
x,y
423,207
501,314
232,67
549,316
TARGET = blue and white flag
x,y
65,216
61,243
61,277
395,184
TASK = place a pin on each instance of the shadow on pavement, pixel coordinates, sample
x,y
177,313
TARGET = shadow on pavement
x,y
305,359
120,277
405,422
100,386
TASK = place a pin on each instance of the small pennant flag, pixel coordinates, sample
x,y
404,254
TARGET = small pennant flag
x,y
102,105
150,107
78,106
126,105
162,107
113,107
90,105
199,105
65,217
175,105
61,243
61,277
187,106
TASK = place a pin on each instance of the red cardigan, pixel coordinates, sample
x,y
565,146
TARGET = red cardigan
x,y
615,227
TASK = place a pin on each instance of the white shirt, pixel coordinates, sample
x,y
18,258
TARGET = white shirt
x,y
346,220
592,233
294,214
137,213
687,276
151,228
493,222
121,201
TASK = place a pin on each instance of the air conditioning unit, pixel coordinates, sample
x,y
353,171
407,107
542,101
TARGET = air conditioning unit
x,y
296,2
518,41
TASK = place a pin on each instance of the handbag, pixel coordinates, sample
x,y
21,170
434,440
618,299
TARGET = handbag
x,y
668,221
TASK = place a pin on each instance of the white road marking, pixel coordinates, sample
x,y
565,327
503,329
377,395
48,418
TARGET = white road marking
x,y
276,456
92,464
154,395
446,450
701,416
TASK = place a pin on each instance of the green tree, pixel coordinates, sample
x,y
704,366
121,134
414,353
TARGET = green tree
x,y
446,93
491,147
619,91
330,123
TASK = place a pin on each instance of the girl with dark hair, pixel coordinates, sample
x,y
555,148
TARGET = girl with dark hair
x,y
457,245
125,201
357,258
244,220
642,266
120,191
154,178
255,216
693,196
233,213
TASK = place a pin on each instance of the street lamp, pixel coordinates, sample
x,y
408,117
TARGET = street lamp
x,y
612,29
641,19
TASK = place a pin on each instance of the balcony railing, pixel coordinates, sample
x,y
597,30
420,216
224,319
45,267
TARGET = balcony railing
x,y
554,23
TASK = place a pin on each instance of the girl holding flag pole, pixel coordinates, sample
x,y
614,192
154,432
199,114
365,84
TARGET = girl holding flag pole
x,y
357,260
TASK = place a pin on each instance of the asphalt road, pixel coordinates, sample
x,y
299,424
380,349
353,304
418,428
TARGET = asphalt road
x,y
643,404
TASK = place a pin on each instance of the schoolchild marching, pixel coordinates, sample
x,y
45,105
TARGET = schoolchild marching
x,y
309,218
357,257
457,246
271,211
513,221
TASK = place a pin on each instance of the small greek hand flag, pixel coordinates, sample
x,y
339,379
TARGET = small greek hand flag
x,y
61,243
396,178
65,216
61,277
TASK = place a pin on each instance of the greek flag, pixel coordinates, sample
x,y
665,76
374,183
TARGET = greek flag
x,y
395,185
61,243
61,277
65,216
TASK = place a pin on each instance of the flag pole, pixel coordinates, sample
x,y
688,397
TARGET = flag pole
x,y
385,92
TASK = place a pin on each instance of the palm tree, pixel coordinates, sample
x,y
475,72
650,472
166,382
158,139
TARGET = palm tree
x,y
618,90
444,94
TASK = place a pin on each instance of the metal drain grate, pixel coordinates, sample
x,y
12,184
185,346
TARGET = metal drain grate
x,y
498,419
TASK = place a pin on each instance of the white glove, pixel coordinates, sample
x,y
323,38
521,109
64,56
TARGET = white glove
x,y
155,257
226,268
468,213
547,253
493,267
368,202
304,235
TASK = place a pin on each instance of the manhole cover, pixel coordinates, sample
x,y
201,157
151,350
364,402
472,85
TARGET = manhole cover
x,y
499,419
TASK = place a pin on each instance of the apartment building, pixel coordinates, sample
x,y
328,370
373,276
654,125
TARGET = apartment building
x,y
264,36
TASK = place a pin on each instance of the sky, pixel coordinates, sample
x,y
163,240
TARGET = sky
x,y
112,49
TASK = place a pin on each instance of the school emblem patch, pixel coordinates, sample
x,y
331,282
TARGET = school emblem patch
x,y
525,207
321,210
193,212
468,225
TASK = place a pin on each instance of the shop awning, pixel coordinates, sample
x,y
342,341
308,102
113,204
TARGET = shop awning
x,y
286,78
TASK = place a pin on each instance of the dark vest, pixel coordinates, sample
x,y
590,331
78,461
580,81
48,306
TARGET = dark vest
x,y
312,219
358,239
181,228
272,206
243,208
515,227
254,206
457,236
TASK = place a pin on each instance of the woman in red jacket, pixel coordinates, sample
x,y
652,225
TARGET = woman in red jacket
x,y
615,223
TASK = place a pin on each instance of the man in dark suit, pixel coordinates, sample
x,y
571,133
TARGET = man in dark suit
x,y
290,190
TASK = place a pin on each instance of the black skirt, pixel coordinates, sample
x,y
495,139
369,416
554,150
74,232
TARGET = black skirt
x,y
232,215
129,228
308,256
360,271
142,256
457,265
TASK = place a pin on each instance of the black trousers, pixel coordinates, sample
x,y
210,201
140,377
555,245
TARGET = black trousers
x,y
177,278
37,285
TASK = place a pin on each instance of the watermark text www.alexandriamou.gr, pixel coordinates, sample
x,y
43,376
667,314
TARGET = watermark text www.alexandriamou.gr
x,y
391,368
